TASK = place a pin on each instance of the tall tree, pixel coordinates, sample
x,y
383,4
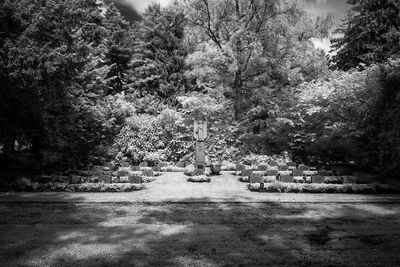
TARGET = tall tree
x,y
370,34
158,60
246,40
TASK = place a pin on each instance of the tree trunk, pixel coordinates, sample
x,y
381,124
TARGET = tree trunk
x,y
237,90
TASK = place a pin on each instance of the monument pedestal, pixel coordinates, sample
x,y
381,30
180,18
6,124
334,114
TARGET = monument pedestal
x,y
200,134
200,158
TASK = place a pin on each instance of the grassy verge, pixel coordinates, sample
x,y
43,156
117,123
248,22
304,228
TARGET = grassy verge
x,y
325,188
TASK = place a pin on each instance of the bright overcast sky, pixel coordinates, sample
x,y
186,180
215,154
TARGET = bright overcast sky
x,y
140,5
316,7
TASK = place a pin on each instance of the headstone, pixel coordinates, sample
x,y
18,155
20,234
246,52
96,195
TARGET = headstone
x,y
113,167
75,179
115,179
272,173
292,165
105,179
135,168
262,167
260,173
297,173
124,179
124,164
246,172
273,168
272,163
310,173
333,180
283,167
135,179
256,179
270,179
122,173
286,178
163,164
298,179
285,173
304,167
317,179
215,168
148,173
240,167
181,164
325,173
349,179
308,179
156,168
143,164
96,172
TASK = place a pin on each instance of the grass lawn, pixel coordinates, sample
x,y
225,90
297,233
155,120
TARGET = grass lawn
x,y
98,234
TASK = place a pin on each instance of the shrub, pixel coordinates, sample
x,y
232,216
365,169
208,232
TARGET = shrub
x,y
325,188
26,186
199,179
172,168
154,138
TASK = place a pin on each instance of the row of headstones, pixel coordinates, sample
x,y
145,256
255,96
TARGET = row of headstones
x,y
293,167
272,165
319,179
115,174
296,173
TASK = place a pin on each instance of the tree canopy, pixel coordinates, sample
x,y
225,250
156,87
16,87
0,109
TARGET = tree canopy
x,y
369,34
81,85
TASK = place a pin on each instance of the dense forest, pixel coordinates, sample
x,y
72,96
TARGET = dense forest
x,y
81,85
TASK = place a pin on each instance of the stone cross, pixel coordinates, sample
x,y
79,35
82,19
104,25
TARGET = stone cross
x,y
200,134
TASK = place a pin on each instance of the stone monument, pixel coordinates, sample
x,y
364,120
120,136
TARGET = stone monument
x,y
200,134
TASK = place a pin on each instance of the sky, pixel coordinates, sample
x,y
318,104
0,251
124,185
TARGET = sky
x,y
315,7
132,8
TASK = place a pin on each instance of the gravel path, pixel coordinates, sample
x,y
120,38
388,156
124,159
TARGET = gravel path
x,y
173,187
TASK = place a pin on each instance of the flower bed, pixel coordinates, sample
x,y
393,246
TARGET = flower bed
x,y
25,185
324,188
199,179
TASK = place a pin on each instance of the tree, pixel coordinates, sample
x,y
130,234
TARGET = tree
x,y
248,44
157,65
370,34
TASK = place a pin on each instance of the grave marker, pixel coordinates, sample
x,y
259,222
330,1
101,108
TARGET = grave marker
x,y
286,178
283,167
135,179
317,179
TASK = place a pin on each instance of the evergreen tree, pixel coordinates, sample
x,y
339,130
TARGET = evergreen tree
x,y
371,33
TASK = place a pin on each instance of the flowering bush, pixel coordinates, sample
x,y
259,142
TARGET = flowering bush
x,y
154,138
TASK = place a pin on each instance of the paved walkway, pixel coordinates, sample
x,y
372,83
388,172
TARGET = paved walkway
x,y
173,187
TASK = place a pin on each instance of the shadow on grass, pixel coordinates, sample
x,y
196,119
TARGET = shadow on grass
x,y
198,234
